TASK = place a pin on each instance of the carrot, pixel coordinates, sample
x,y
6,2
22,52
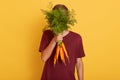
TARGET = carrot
x,y
57,54
64,49
62,56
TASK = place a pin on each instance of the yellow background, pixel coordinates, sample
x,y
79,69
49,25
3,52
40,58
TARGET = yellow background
x,y
21,23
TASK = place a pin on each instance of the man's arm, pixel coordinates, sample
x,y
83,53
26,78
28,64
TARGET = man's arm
x,y
48,50
79,67
46,53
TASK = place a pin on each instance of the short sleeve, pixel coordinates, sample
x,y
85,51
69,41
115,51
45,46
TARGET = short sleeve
x,y
46,38
79,48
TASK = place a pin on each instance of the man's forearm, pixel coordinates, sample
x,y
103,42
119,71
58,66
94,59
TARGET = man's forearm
x,y
80,74
79,67
48,51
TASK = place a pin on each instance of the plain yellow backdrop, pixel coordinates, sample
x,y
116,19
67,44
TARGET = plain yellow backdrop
x,y
21,23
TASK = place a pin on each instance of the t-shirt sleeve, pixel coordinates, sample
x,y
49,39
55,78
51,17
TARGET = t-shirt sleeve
x,y
46,37
79,48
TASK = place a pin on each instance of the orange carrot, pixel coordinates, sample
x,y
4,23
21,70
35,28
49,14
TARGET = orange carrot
x,y
64,49
57,54
62,56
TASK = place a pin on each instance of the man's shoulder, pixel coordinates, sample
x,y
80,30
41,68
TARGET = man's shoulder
x,y
75,34
48,32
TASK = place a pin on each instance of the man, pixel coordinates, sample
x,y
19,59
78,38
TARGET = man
x,y
74,46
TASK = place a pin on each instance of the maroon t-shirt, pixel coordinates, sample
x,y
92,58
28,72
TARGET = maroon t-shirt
x,y
74,46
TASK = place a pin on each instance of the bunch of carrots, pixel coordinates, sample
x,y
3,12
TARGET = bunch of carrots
x,y
61,50
58,21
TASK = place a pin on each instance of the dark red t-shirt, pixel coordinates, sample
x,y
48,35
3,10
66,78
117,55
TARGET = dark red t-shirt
x,y
74,46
